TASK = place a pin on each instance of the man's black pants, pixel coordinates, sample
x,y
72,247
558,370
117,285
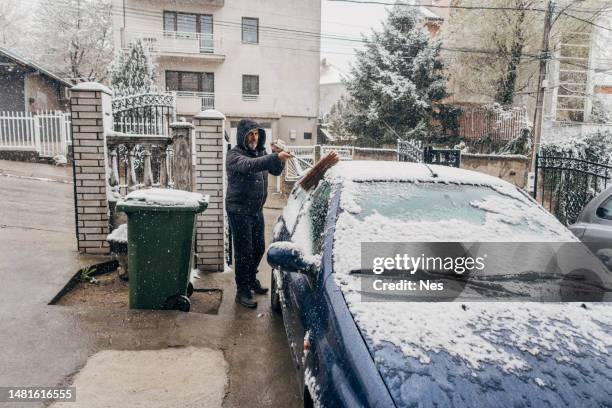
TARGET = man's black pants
x,y
249,247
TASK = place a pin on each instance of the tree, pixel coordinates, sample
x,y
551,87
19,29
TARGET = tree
x,y
13,15
495,49
395,83
73,36
134,71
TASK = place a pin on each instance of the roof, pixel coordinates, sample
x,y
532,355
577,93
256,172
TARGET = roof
x,y
402,171
23,61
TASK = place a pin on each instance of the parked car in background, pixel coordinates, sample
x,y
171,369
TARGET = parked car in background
x,y
594,226
351,353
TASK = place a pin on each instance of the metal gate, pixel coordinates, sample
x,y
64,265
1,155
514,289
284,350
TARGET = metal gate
x,y
564,184
442,157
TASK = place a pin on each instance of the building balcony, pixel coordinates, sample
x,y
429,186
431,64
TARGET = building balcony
x,y
179,44
190,103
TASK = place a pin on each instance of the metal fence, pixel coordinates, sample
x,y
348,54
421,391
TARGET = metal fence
x,y
498,125
410,151
564,184
144,114
45,132
442,157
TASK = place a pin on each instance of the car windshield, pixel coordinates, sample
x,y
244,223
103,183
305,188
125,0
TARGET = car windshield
x,y
514,232
439,202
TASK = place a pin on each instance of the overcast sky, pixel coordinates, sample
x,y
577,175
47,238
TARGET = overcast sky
x,y
346,20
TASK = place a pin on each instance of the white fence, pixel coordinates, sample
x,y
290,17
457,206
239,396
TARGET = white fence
x,y
47,133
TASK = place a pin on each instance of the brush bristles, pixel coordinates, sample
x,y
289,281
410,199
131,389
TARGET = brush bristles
x,y
317,172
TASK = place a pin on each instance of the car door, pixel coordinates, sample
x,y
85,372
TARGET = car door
x,y
301,288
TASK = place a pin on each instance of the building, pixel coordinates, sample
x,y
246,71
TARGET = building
x,y
245,58
331,88
578,99
28,87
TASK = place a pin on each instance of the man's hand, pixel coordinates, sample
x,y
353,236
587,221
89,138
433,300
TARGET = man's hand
x,y
283,156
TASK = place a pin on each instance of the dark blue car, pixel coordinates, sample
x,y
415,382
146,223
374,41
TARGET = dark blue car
x,y
349,353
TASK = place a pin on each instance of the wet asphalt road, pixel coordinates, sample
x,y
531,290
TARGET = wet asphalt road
x,y
42,345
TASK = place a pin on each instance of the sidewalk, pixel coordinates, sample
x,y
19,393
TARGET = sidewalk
x,y
49,345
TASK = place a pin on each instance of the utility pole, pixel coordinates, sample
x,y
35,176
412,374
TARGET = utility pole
x,y
539,107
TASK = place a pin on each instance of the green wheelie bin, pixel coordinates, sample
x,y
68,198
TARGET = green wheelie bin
x,y
161,228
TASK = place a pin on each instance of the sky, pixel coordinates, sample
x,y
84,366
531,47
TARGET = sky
x,y
346,20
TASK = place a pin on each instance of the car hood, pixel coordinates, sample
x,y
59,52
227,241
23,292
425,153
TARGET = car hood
x,y
490,354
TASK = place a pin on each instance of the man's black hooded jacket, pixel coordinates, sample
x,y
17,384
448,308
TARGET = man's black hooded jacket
x,y
247,172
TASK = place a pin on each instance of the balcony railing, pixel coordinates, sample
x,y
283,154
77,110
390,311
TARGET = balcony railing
x,y
176,41
207,98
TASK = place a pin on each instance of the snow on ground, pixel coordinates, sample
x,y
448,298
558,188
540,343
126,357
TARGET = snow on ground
x,y
119,234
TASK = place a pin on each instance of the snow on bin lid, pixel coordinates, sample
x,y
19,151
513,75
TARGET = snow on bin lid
x,y
164,199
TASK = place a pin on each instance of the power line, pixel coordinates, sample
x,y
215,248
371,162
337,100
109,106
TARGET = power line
x,y
587,21
385,3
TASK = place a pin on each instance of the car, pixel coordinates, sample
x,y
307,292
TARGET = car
x,y
594,226
352,353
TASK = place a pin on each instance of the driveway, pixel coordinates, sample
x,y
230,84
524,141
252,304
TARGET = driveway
x,y
46,345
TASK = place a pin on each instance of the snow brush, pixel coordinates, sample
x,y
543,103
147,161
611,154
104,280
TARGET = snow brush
x,y
316,172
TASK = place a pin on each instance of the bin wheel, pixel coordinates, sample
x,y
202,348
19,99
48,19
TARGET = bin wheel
x,y
178,302
189,289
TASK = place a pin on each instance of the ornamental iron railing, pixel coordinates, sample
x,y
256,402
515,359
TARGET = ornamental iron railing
x,y
565,184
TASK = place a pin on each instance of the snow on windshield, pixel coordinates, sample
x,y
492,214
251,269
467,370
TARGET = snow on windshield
x,y
482,333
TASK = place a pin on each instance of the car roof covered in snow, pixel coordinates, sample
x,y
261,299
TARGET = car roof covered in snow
x,y
401,171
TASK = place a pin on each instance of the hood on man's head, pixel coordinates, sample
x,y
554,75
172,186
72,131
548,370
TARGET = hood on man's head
x,y
244,127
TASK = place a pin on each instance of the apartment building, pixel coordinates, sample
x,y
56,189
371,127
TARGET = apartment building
x,y
245,58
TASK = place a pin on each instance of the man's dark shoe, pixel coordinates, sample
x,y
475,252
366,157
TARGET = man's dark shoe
x,y
258,289
246,300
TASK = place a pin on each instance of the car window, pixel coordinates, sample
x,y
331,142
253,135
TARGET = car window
x,y
318,215
438,202
605,209
310,221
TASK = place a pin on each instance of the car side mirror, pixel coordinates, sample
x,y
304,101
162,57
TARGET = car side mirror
x,y
290,257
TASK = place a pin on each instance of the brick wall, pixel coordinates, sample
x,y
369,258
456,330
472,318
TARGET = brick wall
x,y
90,104
209,130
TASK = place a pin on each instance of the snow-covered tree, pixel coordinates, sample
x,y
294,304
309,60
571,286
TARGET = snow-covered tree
x,y
134,71
395,83
73,36
13,16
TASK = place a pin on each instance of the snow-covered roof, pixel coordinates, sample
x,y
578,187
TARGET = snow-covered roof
x,y
33,65
401,171
424,12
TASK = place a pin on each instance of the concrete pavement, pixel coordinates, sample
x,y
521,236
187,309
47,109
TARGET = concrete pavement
x,y
44,345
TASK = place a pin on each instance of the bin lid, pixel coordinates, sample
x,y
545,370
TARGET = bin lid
x,y
162,199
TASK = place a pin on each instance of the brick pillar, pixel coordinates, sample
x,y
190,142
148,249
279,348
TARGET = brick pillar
x,y
90,105
209,131
183,163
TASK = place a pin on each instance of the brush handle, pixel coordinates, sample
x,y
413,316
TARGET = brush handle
x,y
280,149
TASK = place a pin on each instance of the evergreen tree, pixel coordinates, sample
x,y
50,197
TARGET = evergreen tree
x,y
395,82
134,71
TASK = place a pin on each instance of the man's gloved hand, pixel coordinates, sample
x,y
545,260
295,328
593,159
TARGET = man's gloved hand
x,y
278,146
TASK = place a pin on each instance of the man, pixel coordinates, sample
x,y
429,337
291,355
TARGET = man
x,y
248,165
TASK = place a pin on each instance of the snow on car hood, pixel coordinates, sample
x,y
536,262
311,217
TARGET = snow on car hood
x,y
479,353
